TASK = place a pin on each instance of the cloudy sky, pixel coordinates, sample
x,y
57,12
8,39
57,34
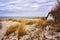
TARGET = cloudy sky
x,y
26,8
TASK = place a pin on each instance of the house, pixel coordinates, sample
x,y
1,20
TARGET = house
x,y
54,15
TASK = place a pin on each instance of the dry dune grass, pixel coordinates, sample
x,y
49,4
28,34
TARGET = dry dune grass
x,y
54,26
0,25
11,28
20,27
41,24
29,20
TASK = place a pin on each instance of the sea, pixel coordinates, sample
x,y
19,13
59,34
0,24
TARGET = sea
x,y
6,17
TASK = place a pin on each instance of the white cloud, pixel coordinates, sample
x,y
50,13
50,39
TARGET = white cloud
x,y
21,4
41,0
26,6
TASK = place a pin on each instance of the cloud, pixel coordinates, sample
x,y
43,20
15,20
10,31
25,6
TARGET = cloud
x,y
25,7
19,5
22,4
